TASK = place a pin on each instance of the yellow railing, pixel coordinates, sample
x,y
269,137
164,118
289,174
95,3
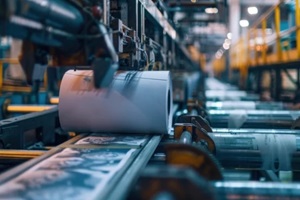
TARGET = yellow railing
x,y
263,44
218,66
12,88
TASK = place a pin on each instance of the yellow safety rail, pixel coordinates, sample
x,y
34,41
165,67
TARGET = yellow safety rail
x,y
12,88
275,48
218,66
259,47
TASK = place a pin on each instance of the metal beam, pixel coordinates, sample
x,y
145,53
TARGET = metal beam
x,y
259,2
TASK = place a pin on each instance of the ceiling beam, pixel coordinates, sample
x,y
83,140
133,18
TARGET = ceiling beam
x,y
259,2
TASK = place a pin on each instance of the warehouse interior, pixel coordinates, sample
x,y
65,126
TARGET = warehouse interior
x,y
149,99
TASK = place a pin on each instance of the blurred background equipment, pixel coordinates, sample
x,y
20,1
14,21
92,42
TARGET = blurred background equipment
x,y
149,99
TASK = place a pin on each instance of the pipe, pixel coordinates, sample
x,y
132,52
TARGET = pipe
x,y
20,154
55,23
247,105
252,118
54,100
27,108
43,22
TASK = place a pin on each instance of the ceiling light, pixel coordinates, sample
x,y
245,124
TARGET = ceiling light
x,y
211,10
227,41
229,36
226,46
220,51
244,23
218,55
193,1
269,31
252,10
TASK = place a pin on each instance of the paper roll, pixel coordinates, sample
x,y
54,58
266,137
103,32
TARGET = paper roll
x,y
136,102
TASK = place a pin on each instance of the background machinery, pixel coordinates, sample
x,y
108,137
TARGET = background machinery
x,y
224,143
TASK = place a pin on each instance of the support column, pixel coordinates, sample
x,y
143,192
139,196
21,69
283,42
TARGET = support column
x,y
297,15
234,19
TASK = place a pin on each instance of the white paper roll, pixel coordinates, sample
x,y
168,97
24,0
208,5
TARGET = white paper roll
x,y
136,102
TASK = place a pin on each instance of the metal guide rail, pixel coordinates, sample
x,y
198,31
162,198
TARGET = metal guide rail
x,y
89,165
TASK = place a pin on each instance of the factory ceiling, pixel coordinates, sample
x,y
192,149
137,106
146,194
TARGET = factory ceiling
x,y
204,23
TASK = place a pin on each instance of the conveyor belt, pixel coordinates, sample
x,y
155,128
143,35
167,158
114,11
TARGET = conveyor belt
x,y
81,167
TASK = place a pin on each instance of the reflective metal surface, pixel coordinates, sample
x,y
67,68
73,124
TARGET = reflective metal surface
x,y
256,190
247,105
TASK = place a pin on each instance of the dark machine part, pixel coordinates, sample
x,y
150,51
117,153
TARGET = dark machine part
x,y
194,156
69,31
198,135
258,131
258,151
168,182
243,148
230,95
196,120
128,45
253,118
24,131
193,149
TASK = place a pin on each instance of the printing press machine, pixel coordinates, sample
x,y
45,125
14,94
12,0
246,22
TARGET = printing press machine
x,y
209,154
196,161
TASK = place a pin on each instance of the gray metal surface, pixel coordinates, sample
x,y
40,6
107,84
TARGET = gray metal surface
x,y
81,169
258,131
257,151
256,190
281,119
247,105
123,186
223,95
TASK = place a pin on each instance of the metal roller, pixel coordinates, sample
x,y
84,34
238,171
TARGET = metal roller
x,y
257,151
41,20
181,183
220,95
250,105
252,118
27,108
258,131
255,190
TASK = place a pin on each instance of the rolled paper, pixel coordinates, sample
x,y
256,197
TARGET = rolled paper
x,y
135,102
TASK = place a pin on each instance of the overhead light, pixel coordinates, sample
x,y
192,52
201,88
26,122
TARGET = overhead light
x,y
227,41
218,55
211,10
229,36
244,23
226,46
269,31
252,10
220,51
193,1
